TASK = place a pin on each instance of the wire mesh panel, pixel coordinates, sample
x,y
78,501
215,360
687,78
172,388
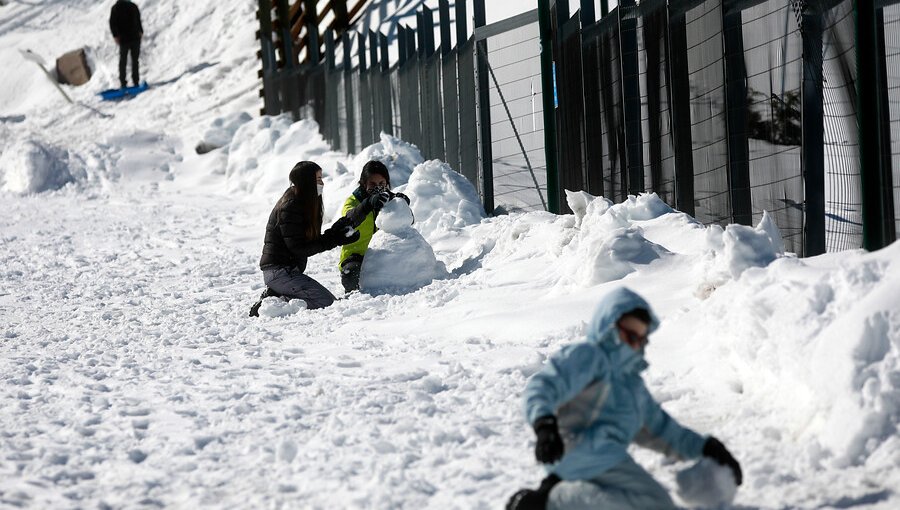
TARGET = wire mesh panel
x,y
449,65
365,109
608,89
773,48
409,103
468,123
659,153
341,127
356,106
316,95
570,114
708,130
892,70
432,111
381,104
843,206
396,101
593,116
331,128
517,138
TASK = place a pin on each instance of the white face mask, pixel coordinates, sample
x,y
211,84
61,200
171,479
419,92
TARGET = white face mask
x,y
319,188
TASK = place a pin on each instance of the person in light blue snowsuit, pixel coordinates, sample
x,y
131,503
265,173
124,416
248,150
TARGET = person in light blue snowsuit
x,y
589,402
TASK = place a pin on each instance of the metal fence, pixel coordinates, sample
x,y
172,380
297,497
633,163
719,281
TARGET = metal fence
x,y
724,108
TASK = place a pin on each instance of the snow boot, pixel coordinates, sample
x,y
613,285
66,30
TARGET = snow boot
x,y
528,499
254,310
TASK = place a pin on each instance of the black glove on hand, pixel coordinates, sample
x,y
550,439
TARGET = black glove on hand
x,y
340,223
714,449
347,236
377,200
401,195
341,232
549,447
527,499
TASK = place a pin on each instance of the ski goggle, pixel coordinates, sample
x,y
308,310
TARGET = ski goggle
x,y
632,337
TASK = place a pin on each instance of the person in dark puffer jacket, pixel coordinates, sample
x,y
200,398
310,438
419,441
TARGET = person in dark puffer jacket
x,y
292,236
127,30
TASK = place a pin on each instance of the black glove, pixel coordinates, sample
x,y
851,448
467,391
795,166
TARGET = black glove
x,y
527,499
714,449
341,232
377,200
401,195
549,447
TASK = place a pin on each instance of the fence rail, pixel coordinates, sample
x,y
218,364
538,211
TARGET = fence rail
x,y
724,108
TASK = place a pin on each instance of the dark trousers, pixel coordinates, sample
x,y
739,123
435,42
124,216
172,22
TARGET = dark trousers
x,y
134,48
292,283
350,270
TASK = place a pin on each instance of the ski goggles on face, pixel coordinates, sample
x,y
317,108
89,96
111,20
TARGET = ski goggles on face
x,y
632,337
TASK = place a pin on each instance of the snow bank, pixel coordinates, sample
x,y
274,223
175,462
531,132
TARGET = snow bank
x,y
612,241
263,151
222,129
441,199
815,341
398,156
33,166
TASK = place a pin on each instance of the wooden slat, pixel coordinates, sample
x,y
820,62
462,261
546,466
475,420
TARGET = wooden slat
x,y
297,27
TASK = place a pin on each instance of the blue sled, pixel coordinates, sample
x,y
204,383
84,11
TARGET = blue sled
x,y
116,94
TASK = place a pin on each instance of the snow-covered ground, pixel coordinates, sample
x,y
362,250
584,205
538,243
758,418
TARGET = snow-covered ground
x,y
131,376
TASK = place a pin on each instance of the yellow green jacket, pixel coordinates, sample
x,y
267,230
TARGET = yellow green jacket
x,y
364,221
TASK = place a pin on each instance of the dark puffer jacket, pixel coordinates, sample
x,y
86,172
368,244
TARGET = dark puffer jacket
x,y
125,22
286,242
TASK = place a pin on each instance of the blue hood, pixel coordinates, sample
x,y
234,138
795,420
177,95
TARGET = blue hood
x,y
602,329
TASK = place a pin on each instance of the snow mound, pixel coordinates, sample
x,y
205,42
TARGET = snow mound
x,y
263,151
815,341
222,129
744,247
578,202
442,199
613,256
706,484
32,166
609,243
277,307
399,260
398,156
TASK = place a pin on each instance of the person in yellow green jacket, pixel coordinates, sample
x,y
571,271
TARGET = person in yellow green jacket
x,y
361,208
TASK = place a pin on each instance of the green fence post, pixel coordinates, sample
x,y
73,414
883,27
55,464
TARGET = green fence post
x,y
548,84
868,67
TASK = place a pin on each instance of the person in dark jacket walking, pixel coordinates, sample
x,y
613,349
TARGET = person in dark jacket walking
x,y
362,208
589,403
125,24
293,235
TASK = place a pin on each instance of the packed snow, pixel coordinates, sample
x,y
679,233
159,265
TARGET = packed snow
x,y
131,375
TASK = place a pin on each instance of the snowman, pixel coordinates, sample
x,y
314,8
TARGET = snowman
x,y
399,260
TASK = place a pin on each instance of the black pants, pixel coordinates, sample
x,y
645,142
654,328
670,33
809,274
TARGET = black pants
x,y
125,48
350,272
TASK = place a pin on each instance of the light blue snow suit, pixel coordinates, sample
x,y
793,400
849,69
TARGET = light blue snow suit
x,y
595,390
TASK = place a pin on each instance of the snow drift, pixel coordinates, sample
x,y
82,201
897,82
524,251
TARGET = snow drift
x,y
144,383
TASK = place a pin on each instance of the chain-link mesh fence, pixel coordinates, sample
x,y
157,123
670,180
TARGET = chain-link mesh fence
x,y
724,108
